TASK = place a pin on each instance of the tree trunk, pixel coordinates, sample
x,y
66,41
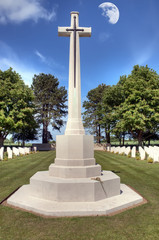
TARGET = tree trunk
x,y
108,137
44,139
123,140
45,125
1,141
140,139
23,143
107,134
99,137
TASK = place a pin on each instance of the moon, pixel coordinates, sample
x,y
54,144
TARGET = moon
x,y
110,11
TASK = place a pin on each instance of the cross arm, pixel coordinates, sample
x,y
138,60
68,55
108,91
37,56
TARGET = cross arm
x,y
86,33
63,32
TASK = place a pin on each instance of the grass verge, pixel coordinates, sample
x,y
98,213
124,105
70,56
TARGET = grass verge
x,y
140,223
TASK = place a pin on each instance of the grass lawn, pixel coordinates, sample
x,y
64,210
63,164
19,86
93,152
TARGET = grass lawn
x,y
140,223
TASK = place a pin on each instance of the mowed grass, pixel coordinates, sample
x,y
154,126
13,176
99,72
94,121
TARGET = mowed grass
x,y
134,224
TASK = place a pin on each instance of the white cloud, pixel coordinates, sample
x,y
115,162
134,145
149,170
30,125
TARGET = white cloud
x,y
142,56
18,11
49,61
25,72
8,58
42,58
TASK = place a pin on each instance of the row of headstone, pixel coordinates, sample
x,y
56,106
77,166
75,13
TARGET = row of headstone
x,y
152,152
16,151
98,146
120,150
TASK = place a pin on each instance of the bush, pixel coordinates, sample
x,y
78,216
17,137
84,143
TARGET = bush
x,y
138,156
149,160
5,157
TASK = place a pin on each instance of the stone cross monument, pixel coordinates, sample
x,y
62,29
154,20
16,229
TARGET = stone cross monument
x,y
74,123
74,184
74,150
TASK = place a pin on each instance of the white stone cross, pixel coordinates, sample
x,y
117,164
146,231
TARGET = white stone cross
x,y
74,123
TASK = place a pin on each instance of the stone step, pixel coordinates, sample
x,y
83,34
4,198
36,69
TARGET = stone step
x,y
74,190
75,162
74,171
24,200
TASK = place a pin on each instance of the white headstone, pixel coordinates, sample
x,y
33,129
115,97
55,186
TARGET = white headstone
x,y
156,156
10,153
21,151
127,151
151,152
133,152
122,150
15,151
112,149
116,149
142,153
35,149
27,150
1,153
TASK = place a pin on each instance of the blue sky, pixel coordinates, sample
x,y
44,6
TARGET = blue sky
x,y
29,41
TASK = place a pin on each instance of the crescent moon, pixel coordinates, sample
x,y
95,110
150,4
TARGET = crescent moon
x,y
110,11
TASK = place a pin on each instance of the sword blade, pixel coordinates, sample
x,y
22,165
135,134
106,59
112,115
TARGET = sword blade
x,y
74,52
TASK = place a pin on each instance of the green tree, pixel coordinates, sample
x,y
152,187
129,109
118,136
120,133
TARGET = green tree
x,y
93,114
139,111
15,103
29,130
110,101
50,102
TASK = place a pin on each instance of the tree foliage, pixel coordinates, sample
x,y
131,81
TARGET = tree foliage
x,y
139,111
16,107
130,107
93,111
50,102
29,130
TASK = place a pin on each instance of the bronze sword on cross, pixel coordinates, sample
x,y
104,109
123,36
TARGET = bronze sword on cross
x,y
74,29
83,32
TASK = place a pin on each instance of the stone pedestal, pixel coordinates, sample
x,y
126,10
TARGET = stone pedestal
x,y
74,190
74,157
74,184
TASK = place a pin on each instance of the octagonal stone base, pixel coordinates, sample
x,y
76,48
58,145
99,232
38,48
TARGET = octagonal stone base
x,y
74,185
74,190
24,200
